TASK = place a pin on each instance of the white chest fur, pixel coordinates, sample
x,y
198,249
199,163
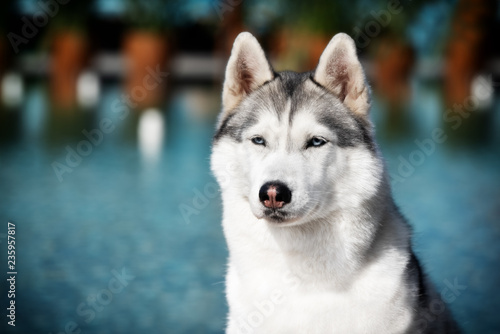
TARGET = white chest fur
x,y
286,286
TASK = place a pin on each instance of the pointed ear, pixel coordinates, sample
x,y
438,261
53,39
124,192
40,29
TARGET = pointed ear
x,y
340,71
247,69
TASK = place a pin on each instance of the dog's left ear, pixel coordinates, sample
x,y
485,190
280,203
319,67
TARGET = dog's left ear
x,y
340,71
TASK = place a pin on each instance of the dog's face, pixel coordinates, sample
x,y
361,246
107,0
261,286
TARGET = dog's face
x,y
300,144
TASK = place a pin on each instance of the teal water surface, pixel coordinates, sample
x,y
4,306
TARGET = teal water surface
x,y
130,240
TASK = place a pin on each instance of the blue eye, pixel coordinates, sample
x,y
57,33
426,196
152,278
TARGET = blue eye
x,y
259,141
316,142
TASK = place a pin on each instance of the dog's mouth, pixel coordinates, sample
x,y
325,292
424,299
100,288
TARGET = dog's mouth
x,y
285,216
277,216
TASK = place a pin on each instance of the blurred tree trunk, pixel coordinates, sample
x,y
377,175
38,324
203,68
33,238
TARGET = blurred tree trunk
x,y
467,47
393,64
231,24
69,54
145,53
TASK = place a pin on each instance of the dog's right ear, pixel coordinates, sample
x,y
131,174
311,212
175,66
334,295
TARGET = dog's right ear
x,y
247,69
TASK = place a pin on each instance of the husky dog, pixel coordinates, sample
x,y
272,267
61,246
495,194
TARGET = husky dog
x,y
316,242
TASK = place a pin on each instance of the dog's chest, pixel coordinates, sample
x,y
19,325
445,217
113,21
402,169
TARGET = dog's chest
x,y
275,300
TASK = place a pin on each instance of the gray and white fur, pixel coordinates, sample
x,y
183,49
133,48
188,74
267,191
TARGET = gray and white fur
x,y
316,242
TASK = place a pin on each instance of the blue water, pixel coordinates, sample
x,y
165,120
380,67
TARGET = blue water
x,y
119,213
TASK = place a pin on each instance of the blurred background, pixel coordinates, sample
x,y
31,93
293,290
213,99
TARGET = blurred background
x,y
107,109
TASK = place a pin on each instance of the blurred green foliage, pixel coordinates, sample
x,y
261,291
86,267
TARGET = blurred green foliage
x,y
153,15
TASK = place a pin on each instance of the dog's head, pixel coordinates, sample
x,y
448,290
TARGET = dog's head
x,y
300,144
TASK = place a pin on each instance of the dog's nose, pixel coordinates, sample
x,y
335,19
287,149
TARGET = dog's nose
x,y
275,194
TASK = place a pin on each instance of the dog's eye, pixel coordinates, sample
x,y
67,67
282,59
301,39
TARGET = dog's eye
x,y
316,142
259,141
